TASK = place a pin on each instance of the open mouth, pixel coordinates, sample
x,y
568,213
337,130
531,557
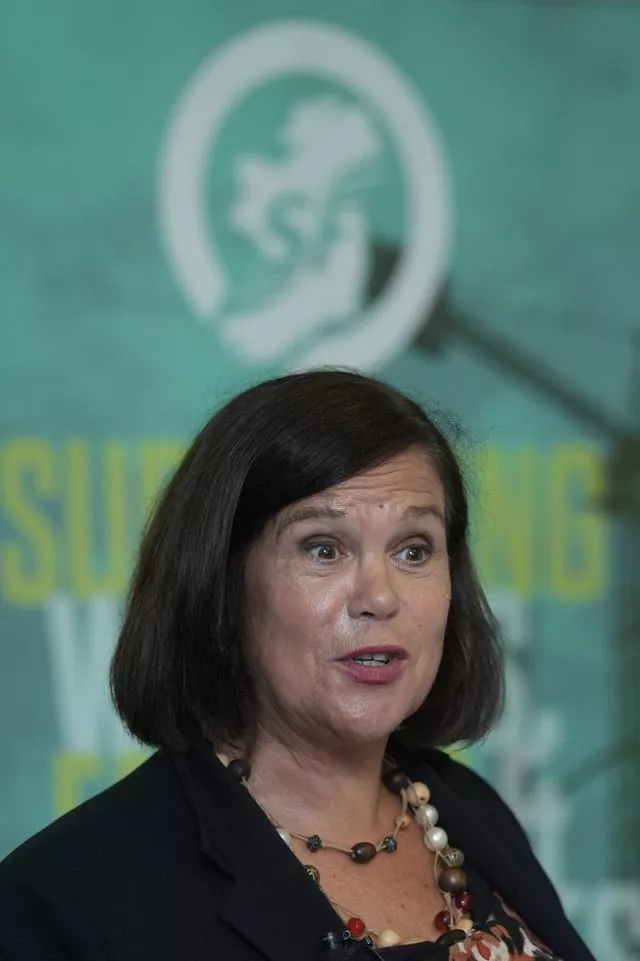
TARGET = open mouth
x,y
376,656
374,665
374,660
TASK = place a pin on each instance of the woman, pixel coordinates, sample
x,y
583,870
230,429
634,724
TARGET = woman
x,y
304,629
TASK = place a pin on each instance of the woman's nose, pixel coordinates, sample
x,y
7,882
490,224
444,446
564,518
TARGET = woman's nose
x,y
374,591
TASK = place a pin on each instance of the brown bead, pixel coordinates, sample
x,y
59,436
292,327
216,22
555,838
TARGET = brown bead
x,y
452,880
363,852
396,781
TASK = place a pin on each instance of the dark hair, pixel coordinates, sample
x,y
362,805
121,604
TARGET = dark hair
x,y
180,669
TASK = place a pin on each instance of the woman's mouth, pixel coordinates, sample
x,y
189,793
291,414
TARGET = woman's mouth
x,y
374,665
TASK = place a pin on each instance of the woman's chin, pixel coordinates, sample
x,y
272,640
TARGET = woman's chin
x,y
369,728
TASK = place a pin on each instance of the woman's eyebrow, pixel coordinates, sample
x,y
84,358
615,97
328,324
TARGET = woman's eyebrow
x,y
308,514
424,510
324,512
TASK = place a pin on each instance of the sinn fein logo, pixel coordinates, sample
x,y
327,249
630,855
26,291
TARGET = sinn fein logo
x,y
294,147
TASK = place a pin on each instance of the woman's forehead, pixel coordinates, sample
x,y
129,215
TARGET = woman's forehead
x,y
406,486
411,472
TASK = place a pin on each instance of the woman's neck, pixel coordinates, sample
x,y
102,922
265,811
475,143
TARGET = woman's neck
x,y
330,789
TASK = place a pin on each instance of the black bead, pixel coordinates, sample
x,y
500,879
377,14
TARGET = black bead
x,y
363,852
239,769
389,844
396,780
314,843
449,938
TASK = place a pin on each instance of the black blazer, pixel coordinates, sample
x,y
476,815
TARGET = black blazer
x,y
177,863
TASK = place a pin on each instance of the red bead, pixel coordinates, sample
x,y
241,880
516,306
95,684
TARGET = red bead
x,y
443,921
463,901
356,927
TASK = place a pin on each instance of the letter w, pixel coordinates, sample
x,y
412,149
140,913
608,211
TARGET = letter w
x,y
81,636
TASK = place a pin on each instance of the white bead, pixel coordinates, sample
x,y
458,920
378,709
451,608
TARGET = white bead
x,y
418,793
426,815
436,839
387,939
431,813
286,837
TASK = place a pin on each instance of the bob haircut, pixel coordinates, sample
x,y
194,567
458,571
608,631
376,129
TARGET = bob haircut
x,y
181,671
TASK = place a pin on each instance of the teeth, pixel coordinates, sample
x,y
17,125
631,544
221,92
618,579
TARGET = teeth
x,y
374,659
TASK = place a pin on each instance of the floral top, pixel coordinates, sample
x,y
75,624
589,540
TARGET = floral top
x,y
501,936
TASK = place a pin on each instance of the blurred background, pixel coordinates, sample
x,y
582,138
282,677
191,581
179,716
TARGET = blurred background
x,y
445,193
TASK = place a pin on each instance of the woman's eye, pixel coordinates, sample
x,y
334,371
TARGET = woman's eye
x,y
323,552
416,554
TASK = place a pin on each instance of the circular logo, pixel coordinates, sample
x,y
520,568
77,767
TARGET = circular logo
x,y
271,224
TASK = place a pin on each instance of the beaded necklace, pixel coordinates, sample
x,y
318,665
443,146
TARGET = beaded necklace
x,y
453,923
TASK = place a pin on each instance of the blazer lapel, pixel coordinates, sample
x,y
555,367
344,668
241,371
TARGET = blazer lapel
x,y
276,907
273,904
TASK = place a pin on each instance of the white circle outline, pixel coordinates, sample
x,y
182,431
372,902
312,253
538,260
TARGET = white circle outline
x,y
306,46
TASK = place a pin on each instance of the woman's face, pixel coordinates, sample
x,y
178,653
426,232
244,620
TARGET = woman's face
x,y
348,595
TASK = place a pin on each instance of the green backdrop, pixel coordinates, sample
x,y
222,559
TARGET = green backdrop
x,y
445,192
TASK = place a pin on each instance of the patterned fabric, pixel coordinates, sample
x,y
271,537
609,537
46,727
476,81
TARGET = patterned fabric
x,y
503,936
